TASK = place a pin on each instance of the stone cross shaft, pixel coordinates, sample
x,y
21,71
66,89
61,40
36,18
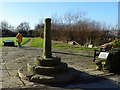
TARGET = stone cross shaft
x,y
47,53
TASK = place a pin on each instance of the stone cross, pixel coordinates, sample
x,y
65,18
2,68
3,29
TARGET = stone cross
x,y
48,69
47,53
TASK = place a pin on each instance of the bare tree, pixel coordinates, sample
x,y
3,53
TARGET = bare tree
x,y
6,29
73,17
4,25
23,28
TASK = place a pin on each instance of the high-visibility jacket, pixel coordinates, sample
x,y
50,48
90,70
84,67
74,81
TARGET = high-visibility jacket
x,y
19,37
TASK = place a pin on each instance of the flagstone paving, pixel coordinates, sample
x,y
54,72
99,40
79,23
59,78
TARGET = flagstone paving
x,y
13,58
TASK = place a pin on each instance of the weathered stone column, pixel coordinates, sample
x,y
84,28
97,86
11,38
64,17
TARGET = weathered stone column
x,y
47,69
47,53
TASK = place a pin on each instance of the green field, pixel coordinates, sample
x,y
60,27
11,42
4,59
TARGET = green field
x,y
25,40
38,42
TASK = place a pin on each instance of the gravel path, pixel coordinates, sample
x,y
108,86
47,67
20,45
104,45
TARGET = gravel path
x,y
28,43
14,58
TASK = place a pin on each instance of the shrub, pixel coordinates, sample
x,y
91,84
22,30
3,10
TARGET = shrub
x,y
113,61
117,42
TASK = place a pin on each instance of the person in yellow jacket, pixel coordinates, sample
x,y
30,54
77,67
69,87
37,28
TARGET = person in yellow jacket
x,y
19,38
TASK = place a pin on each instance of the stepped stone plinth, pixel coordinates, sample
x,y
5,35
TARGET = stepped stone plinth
x,y
47,61
48,69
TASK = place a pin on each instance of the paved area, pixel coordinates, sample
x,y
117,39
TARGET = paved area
x,y
13,58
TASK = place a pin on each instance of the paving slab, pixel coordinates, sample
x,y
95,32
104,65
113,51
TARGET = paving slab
x,y
12,82
14,58
5,74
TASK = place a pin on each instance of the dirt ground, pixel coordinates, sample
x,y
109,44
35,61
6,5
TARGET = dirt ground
x,y
13,58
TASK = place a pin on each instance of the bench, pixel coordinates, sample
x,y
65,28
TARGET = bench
x,y
8,43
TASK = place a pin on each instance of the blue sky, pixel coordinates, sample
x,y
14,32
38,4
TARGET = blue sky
x,y
34,12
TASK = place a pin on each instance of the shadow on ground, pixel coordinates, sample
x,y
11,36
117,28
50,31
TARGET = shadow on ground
x,y
85,81
89,82
67,53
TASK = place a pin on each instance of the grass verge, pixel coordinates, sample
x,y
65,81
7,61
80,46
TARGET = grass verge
x,y
38,42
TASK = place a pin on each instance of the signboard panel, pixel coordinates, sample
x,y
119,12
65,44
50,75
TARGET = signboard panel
x,y
103,55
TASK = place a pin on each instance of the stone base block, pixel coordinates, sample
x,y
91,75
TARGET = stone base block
x,y
67,76
50,70
70,75
24,74
47,61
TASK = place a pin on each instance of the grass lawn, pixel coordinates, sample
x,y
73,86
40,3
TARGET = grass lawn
x,y
38,42
25,40
67,46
